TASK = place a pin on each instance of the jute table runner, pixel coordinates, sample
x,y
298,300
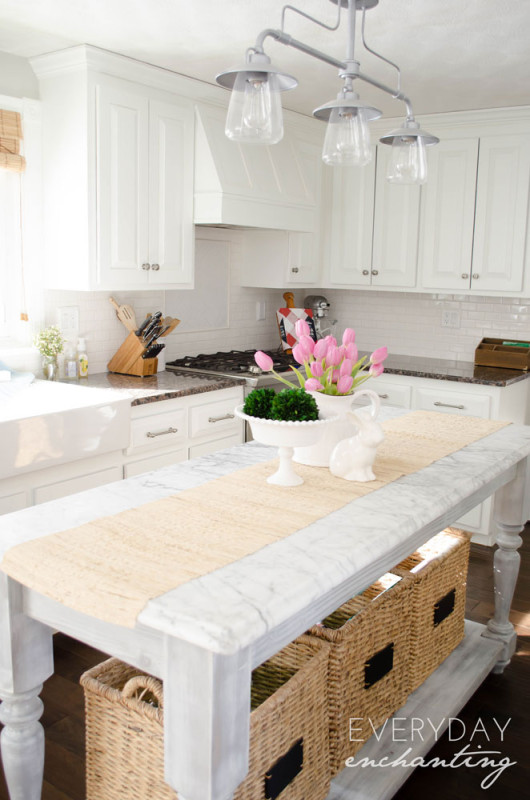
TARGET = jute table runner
x,y
112,567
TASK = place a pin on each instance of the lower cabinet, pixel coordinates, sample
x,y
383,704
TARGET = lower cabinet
x,y
162,433
51,483
508,403
169,431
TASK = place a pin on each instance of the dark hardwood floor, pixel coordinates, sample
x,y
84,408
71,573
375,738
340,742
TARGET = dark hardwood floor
x,y
501,697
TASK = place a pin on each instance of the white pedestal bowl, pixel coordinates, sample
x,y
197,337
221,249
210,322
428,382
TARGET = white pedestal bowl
x,y
285,436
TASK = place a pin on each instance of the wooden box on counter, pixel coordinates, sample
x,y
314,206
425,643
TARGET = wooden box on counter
x,y
127,360
493,353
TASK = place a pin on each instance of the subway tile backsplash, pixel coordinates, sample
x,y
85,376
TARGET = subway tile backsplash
x,y
411,324
407,323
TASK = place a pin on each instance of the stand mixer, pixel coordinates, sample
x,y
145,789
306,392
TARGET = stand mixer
x,y
320,306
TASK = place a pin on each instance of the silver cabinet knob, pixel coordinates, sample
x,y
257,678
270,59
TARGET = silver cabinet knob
x,y
366,271
375,272
475,276
155,267
465,276
295,270
146,266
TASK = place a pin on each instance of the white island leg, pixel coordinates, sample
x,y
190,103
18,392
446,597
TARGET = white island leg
x,y
26,660
206,721
511,511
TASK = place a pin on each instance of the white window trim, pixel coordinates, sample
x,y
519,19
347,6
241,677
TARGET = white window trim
x,y
18,342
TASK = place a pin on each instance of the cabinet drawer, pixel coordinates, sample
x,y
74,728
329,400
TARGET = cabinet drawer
x,y
473,405
392,395
158,430
155,462
214,418
13,502
54,491
206,448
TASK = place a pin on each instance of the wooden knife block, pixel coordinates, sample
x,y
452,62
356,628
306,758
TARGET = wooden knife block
x,y
127,360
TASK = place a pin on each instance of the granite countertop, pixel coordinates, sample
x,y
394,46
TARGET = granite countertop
x,y
446,370
162,386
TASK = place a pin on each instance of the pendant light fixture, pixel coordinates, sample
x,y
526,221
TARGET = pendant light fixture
x,y
255,114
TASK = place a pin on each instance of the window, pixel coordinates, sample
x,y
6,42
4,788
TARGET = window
x,y
10,252
21,284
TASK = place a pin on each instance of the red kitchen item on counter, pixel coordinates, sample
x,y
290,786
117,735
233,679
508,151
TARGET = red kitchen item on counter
x,y
287,319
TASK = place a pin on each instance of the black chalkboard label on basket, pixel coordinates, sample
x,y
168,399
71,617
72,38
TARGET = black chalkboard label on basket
x,y
444,607
379,665
284,770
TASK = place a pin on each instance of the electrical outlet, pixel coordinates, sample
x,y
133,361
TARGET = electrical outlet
x,y
68,318
260,310
450,318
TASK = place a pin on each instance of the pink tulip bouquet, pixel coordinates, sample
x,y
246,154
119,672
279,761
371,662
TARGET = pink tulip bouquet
x,y
329,368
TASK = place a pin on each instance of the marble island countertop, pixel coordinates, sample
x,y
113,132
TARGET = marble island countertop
x,y
162,386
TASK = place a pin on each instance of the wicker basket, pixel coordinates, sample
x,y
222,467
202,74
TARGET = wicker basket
x,y
368,664
124,736
438,571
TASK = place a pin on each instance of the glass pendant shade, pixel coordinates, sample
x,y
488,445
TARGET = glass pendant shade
x,y
408,160
347,140
255,110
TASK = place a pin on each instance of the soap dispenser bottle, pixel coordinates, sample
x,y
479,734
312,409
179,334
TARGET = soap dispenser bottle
x,y
82,359
70,361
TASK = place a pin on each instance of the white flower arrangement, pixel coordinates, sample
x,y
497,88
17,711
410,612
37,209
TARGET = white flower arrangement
x,y
50,341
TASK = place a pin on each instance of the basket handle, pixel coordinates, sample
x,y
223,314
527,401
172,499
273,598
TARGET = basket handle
x,y
143,684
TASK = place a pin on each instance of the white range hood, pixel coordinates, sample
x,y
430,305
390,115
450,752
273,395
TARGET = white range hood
x,y
255,186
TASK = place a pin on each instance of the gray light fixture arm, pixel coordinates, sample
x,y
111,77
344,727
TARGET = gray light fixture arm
x,y
310,18
289,41
378,55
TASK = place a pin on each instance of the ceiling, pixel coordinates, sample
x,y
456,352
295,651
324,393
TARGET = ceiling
x,y
454,55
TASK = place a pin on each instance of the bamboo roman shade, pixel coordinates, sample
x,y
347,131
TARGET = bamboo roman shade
x,y
10,138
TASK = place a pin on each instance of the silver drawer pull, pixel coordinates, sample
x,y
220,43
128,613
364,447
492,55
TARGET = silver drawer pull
x,y
448,405
161,433
219,419
383,396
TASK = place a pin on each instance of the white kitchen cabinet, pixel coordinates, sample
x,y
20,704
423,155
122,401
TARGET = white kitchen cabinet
x,y
501,213
173,430
44,492
144,178
277,259
51,483
374,228
475,213
488,402
447,215
118,176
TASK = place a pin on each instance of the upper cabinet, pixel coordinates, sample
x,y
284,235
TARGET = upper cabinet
x,y
373,230
145,185
475,214
118,177
464,231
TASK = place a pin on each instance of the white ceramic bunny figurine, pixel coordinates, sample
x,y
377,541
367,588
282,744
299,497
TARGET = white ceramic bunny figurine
x,y
352,459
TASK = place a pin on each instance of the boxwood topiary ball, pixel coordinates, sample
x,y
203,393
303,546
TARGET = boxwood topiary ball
x,y
293,405
258,403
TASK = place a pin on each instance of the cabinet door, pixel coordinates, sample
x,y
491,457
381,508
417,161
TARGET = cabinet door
x,y
501,213
122,187
396,228
303,258
447,215
171,233
352,224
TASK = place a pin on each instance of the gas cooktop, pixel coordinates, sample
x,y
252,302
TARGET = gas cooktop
x,y
234,363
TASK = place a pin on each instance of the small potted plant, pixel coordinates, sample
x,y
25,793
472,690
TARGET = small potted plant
x,y
49,342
